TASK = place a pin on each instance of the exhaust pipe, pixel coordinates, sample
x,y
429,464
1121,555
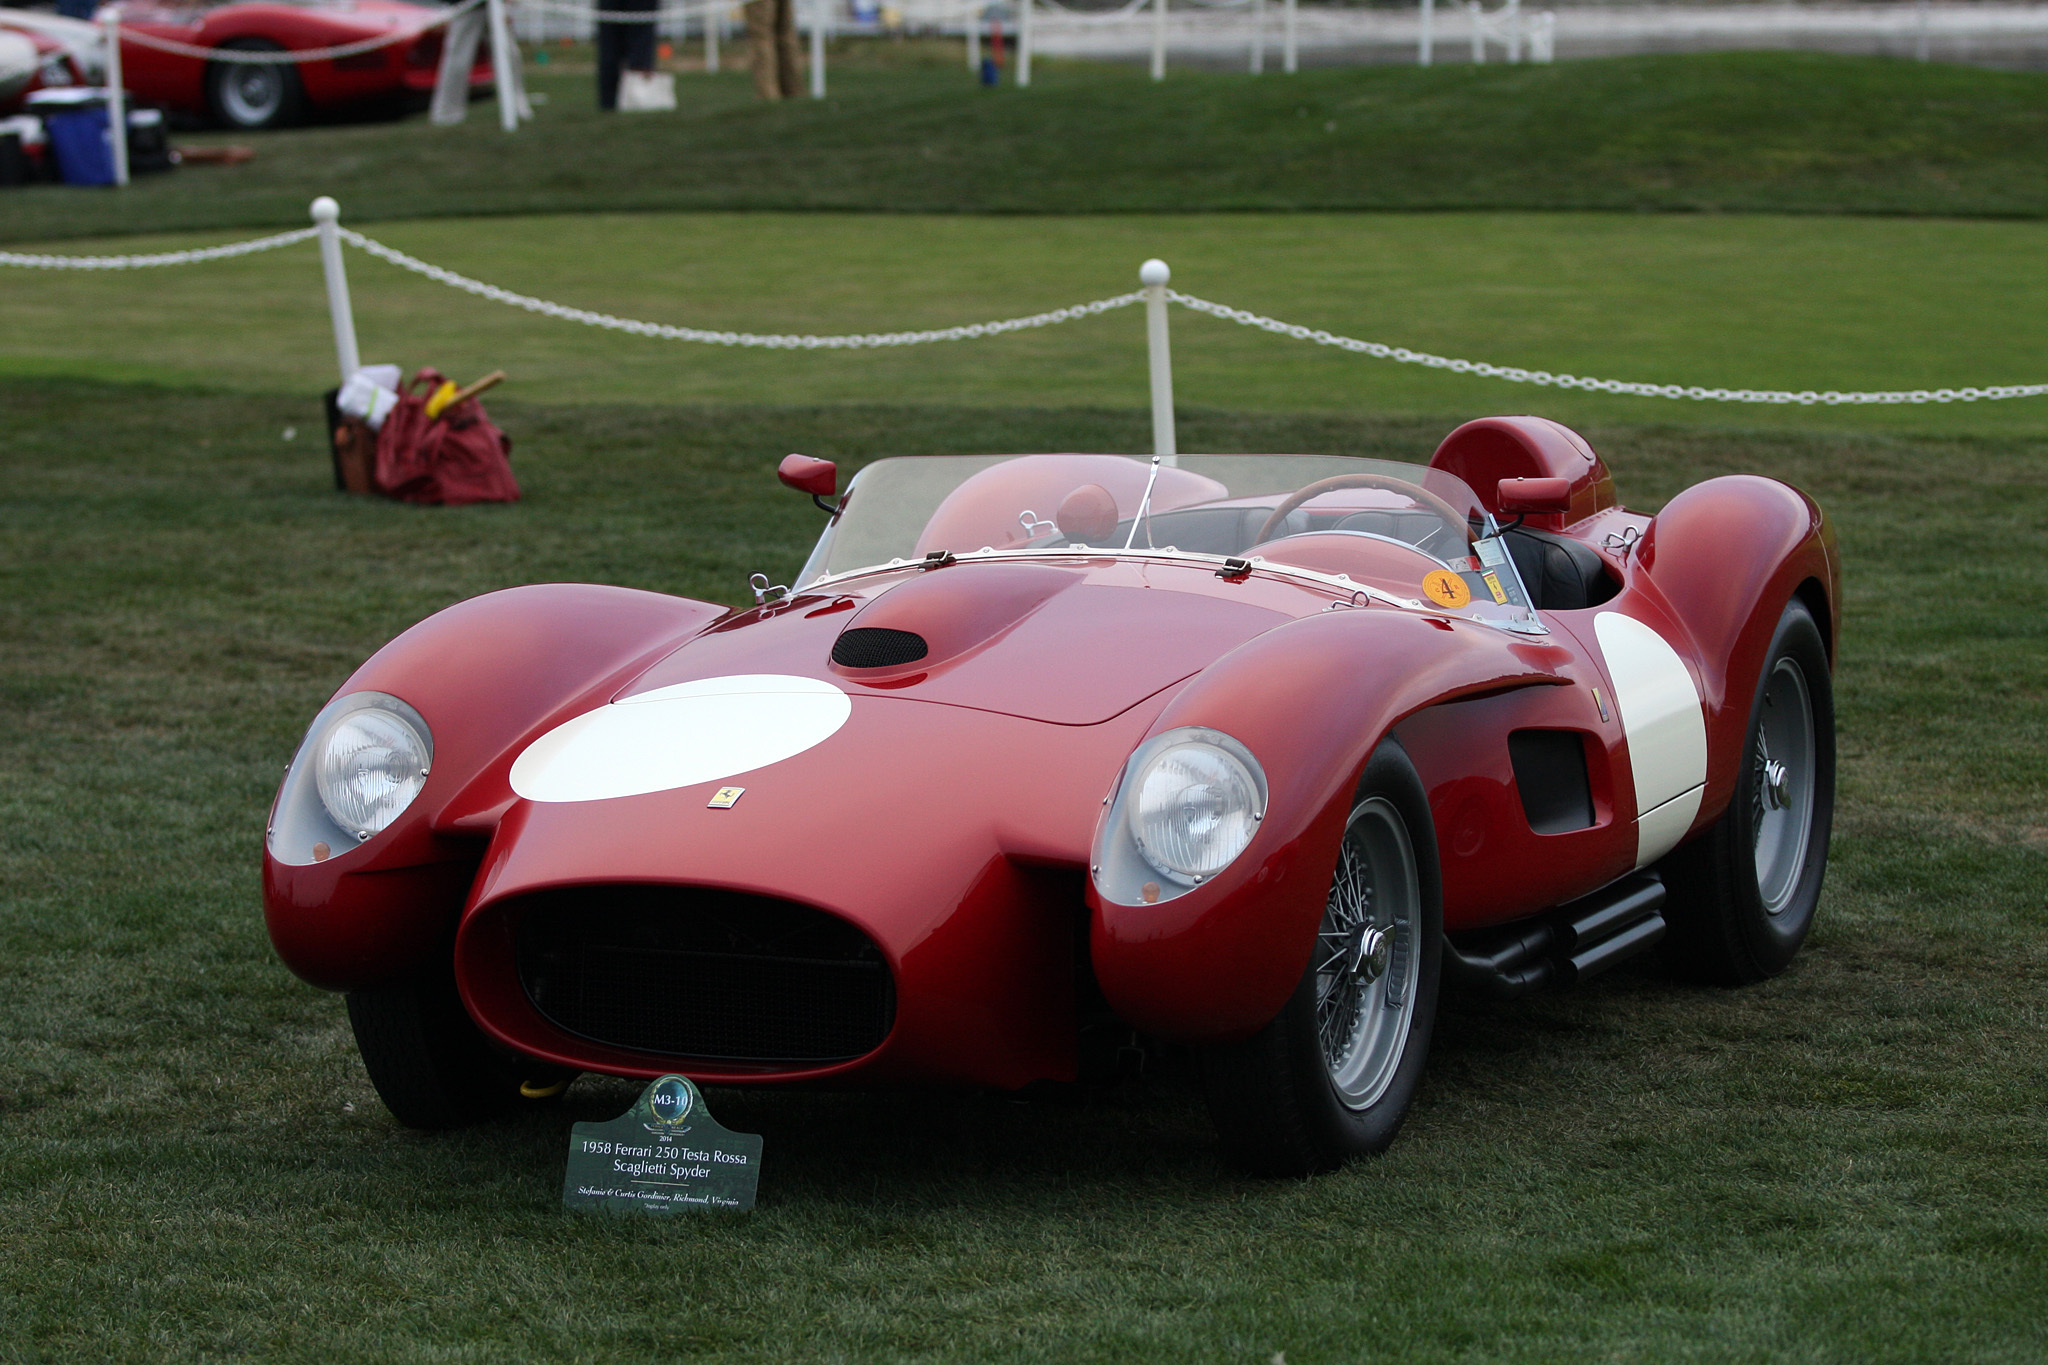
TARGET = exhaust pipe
x,y
1573,942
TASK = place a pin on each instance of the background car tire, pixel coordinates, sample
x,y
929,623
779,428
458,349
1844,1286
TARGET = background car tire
x,y
1279,1098
1742,895
430,1063
251,97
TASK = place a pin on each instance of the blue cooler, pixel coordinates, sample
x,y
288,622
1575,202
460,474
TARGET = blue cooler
x,y
76,119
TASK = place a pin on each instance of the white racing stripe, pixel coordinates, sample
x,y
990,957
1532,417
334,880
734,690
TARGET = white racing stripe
x,y
1665,727
703,731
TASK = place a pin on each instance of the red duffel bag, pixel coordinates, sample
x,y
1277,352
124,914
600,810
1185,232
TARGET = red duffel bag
x,y
458,456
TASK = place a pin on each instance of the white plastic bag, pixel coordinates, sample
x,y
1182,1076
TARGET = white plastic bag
x,y
371,393
643,92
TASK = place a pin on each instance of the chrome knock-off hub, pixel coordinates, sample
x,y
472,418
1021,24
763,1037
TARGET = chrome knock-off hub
x,y
1777,785
1371,951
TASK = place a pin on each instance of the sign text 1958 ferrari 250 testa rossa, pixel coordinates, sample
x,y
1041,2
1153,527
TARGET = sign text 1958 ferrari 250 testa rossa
x,y
1250,754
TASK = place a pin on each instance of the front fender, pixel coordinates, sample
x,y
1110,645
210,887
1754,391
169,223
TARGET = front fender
x,y
1311,700
487,675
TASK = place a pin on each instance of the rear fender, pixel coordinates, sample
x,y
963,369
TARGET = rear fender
x,y
1727,556
487,675
1311,700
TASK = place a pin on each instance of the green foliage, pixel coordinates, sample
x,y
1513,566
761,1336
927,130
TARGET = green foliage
x,y
1728,131
1847,1164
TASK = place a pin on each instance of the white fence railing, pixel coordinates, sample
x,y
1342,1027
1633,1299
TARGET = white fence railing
x,y
1154,293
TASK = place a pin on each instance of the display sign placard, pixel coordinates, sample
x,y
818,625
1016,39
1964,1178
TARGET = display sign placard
x,y
663,1155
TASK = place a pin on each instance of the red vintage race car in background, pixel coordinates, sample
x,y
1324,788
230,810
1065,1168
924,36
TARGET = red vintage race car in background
x,y
36,58
393,79
1251,754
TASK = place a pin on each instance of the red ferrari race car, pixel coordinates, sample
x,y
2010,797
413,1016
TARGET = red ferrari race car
x,y
392,79
1252,754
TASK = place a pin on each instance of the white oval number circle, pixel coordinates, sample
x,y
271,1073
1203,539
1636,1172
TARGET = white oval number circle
x,y
679,736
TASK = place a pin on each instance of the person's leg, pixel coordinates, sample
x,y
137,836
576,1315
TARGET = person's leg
x,y
639,54
761,15
789,50
610,54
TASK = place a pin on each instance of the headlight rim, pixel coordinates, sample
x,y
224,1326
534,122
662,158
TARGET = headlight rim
x,y
303,830
1125,873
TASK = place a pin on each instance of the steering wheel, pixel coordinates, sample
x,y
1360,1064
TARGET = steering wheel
x,y
1450,514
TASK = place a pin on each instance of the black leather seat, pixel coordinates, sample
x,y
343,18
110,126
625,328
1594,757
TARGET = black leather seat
x,y
1560,573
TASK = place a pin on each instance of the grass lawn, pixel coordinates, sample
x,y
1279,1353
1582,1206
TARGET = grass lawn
x,y
1755,131
1738,300
1847,1164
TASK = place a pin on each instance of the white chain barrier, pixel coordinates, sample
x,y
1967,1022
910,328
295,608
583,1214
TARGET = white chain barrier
x,y
772,341
37,261
973,331
259,57
1516,375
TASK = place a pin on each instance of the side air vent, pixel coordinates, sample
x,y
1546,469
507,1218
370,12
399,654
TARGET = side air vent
x,y
694,972
874,647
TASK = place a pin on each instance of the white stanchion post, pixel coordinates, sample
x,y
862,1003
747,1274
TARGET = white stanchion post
x,y
1478,33
973,39
117,98
1154,275
502,78
1258,37
326,217
1158,40
1024,41
1920,41
818,49
1426,49
1290,52
714,20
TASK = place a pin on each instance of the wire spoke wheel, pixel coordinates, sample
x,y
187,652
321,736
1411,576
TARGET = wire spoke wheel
x,y
1742,894
252,95
1366,966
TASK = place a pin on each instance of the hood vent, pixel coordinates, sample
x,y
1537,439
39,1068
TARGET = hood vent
x,y
875,647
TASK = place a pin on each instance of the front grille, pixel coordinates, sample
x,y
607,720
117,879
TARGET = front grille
x,y
876,647
690,972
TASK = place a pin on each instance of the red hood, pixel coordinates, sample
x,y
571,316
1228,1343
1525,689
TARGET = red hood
x,y
1072,646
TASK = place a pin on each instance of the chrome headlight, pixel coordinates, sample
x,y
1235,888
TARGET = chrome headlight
x,y
364,760
1189,804
369,766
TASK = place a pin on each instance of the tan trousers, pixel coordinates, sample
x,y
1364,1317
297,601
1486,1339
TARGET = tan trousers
x,y
772,47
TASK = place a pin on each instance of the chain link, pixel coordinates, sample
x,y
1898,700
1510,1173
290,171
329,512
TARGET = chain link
x,y
772,341
205,253
1804,397
256,57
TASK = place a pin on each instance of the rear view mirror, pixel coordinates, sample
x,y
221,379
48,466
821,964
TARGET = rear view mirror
x,y
1532,495
819,478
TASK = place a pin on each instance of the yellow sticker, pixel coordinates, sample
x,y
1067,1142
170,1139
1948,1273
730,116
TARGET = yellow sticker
x,y
1493,586
1445,588
725,798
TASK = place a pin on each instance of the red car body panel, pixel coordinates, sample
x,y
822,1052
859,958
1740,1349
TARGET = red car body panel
x,y
394,72
951,816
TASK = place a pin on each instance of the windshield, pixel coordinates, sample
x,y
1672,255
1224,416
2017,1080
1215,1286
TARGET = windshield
x,y
1404,531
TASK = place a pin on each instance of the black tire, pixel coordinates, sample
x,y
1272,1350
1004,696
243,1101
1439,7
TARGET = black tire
x,y
1742,895
430,1063
250,97
1283,1102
